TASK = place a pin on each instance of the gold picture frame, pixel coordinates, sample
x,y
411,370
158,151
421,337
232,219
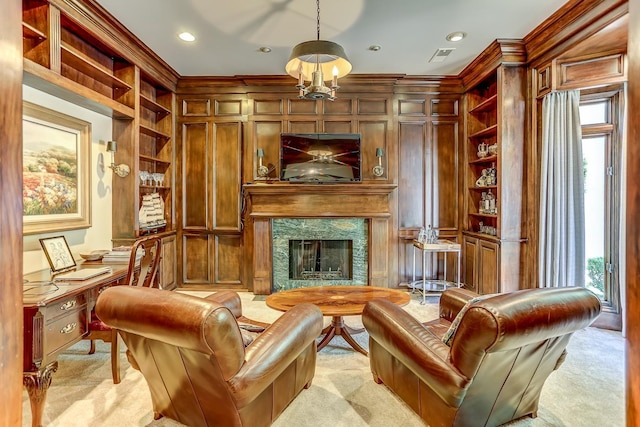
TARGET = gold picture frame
x,y
58,253
55,172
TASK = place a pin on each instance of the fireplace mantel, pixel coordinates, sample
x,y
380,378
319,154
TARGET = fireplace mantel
x,y
318,200
281,200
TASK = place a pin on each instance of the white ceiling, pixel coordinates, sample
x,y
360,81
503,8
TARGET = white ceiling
x,y
230,33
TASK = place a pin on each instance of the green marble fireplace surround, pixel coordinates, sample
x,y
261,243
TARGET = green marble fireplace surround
x,y
285,229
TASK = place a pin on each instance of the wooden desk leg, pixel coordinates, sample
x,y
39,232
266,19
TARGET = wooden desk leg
x,y
338,327
37,384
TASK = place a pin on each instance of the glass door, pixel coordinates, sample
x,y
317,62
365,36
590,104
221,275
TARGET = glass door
x,y
601,144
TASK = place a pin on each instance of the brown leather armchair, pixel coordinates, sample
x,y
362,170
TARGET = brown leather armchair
x,y
191,353
503,350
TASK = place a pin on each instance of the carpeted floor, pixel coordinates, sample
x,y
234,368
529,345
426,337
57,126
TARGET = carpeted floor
x,y
588,389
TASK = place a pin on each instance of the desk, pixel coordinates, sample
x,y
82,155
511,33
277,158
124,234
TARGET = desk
x,y
336,301
434,285
56,316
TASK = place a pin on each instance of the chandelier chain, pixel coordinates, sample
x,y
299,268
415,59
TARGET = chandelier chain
x,y
318,19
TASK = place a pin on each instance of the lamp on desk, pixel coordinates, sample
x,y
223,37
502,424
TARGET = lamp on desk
x,y
121,170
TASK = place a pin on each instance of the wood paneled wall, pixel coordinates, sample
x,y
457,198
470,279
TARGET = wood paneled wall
x,y
223,122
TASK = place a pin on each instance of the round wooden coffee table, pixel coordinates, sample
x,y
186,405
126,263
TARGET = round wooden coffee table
x,y
336,301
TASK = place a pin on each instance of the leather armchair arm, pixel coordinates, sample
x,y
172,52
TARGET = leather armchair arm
x,y
452,301
274,350
229,299
416,347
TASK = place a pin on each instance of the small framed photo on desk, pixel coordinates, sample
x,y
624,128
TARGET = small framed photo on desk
x,y
58,253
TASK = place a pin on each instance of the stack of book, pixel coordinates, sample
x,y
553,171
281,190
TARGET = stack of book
x,y
121,255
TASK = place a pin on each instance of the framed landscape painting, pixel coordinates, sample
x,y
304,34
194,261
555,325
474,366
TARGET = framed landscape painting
x,y
55,171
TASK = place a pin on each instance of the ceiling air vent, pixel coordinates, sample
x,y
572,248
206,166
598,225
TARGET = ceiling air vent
x,y
441,54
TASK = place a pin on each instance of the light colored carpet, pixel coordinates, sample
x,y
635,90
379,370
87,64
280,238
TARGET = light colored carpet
x,y
587,390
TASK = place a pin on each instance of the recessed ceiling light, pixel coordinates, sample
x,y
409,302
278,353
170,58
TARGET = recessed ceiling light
x,y
456,36
187,36
375,47
265,49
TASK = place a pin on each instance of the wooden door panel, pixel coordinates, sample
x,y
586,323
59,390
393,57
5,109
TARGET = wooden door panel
x,y
488,267
469,258
444,176
228,260
194,180
411,172
227,159
196,259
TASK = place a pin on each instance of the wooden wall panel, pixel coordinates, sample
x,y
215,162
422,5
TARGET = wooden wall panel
x,y
340,106
411,174
444,186
420,143
230,107
196,107
373,136
302,106
337,127
228,260
227,158
196,255
266,135
302,126
195,182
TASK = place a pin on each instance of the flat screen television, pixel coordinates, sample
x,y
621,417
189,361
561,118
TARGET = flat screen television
x,y
320,157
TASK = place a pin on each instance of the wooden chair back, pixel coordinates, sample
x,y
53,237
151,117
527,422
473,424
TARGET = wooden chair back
x,y
145,273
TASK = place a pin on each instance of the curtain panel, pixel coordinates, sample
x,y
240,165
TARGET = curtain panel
x,y
562,234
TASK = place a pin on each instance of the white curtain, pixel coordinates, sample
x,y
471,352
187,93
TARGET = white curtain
x,y
561,250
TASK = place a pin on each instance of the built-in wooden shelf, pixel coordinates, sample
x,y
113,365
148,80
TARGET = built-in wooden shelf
x,y
488,104
154,133
87,66
489,159
488,187
486,132
31,32
154,106
155,160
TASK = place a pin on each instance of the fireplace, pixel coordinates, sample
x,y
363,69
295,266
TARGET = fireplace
x,y
268,206
319,252
320,259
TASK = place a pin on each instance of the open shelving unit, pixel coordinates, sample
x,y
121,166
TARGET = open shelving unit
x,y
492,258
88,63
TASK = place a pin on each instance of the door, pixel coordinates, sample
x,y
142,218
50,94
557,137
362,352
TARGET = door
x,y
600,114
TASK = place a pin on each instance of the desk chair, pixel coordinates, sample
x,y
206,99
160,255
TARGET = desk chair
x,y
142,272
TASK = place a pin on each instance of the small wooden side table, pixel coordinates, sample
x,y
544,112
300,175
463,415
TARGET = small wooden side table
x,y
430,286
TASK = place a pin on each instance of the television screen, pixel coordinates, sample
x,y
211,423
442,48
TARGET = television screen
x,y
319,157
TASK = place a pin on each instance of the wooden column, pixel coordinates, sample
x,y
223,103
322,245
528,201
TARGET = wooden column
x,y
11,213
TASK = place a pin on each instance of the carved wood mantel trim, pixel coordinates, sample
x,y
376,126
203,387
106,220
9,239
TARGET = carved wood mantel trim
x,y
267,201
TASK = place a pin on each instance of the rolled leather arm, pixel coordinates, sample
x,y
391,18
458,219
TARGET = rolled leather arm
x,y
229,299
452,301
274,350
415,347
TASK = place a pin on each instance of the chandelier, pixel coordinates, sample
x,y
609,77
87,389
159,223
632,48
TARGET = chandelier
x,y
312,60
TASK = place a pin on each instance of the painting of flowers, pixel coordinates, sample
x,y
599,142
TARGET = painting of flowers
x,y
54,171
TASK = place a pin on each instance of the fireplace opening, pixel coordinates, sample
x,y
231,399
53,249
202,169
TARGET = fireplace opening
x,y
320,259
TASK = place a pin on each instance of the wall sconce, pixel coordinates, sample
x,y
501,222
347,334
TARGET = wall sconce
x,y
121,170
378,170
262,169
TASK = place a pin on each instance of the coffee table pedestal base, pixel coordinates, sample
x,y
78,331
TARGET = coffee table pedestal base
x,y
338,327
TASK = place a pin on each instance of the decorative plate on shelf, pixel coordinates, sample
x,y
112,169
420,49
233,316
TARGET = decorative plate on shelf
x,y
94,255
